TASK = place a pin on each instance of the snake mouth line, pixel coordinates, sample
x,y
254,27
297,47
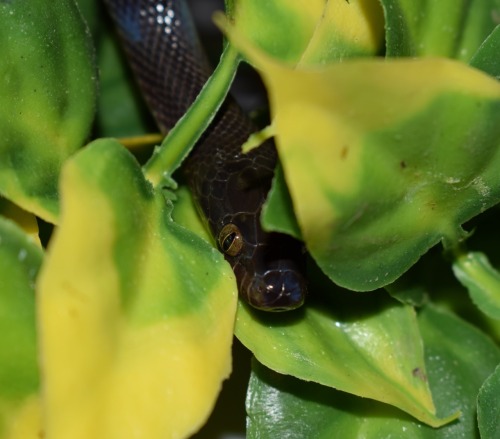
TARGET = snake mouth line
x,y
276,290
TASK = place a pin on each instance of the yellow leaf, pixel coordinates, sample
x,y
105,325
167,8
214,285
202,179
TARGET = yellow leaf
x,y
136,313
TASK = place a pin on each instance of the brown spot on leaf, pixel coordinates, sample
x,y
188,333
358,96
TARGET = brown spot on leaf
x,y
343,153
419,373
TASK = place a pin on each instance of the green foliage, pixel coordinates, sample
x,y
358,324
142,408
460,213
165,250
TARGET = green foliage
x,y
48,95
488,409
282,406
475,272
120,289
20,260
380,160
449,28
486,57
358,350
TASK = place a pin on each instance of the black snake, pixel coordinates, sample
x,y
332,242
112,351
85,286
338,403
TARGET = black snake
x,y
230,187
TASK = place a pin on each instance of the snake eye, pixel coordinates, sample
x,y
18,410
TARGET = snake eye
x,y
230,240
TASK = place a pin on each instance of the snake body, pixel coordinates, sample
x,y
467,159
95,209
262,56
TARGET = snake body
x,y
230,187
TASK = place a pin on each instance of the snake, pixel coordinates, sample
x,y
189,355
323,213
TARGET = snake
x,y
229,187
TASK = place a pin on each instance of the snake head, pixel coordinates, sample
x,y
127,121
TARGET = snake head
x,y
280,288
268,277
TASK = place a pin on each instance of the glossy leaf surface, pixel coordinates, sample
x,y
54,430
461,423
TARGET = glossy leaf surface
x,y
47,93
448,28
281,406
142,307
277,212
486,58
317,32
475,273
20,259
374,180
356,346
488,407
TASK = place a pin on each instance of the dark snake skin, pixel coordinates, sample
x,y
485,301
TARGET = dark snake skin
x,y
229,186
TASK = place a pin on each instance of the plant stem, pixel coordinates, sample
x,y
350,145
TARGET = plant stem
x,y
182,137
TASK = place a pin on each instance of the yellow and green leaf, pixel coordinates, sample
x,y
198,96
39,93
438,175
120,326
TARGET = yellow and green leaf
x,y
382,159
47,96
25,220
20,408
311,32
373,179
350,345
448,28
135,312
301,409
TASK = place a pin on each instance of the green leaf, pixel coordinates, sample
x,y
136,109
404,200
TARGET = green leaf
x,y
277,212
27,221
143,307
20,259
475,273
459,358
185,213
360,348
486,58
408,291
488,407
383,159
121,110
448,28
189,128
91,11
282,406
323,32
47,93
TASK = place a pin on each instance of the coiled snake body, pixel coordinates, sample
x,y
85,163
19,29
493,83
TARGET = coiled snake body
x,y
229,186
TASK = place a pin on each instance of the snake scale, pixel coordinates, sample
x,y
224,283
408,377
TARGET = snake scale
x,y
230,187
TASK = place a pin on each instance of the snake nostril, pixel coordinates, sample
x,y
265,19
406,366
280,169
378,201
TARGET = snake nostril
x,y
277,290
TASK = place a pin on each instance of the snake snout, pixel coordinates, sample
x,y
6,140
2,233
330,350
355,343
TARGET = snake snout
x,y
278,289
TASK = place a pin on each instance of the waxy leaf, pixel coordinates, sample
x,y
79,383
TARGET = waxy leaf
x,y
311,32
20,259
488,407
141,308
282,406
185,213
120,109
47,95
448,28
475,273
370,348
25,220
280,217
383,159
459,358
486,58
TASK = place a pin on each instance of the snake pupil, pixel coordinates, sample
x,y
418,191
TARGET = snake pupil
x,y
228,241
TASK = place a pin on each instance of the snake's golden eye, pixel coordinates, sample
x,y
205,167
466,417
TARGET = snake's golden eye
x,y
230,240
